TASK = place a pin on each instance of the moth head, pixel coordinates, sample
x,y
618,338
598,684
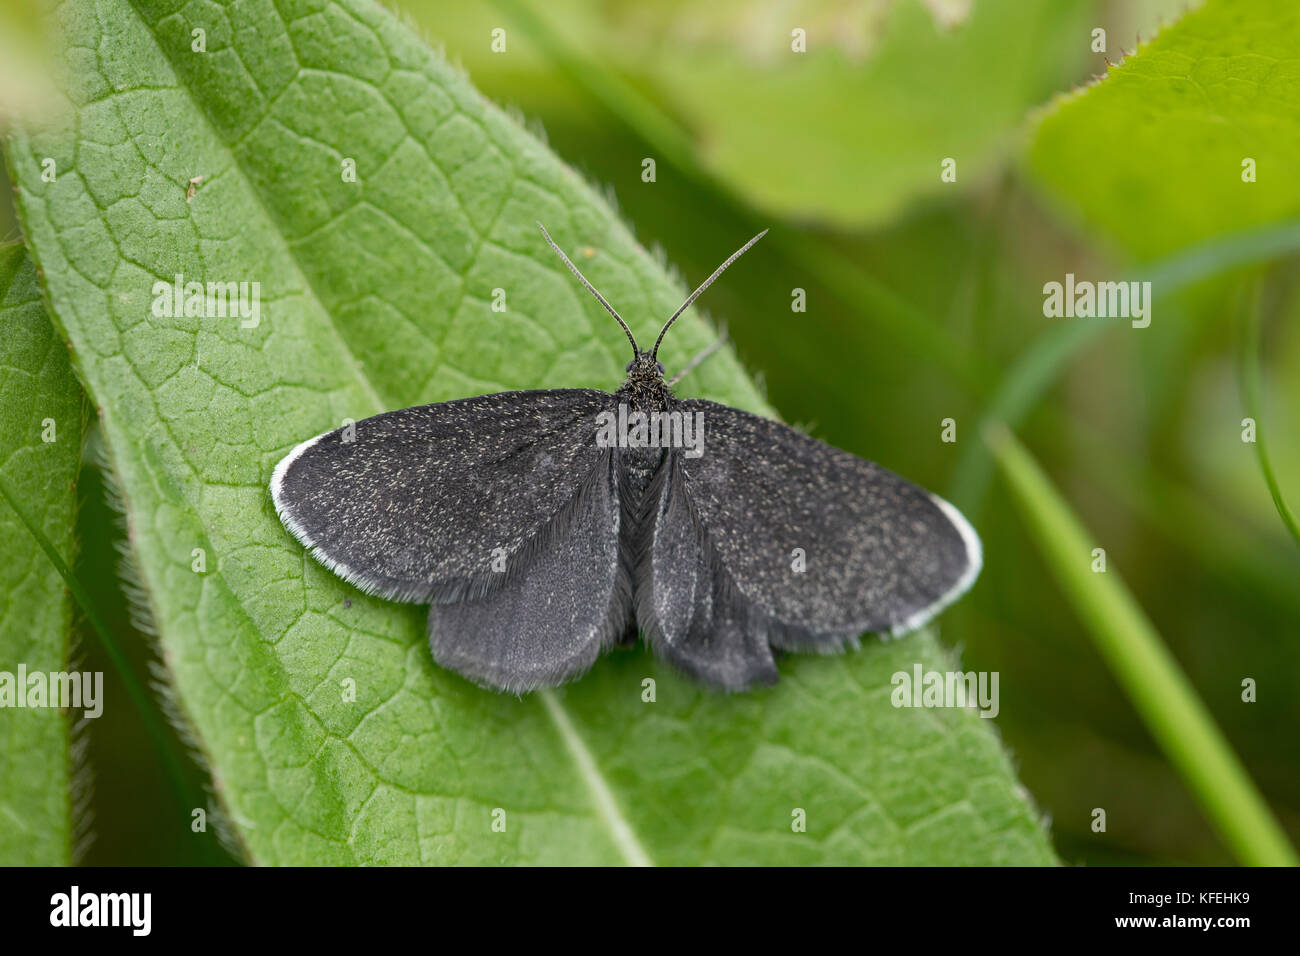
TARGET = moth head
x,y
645,375
645,363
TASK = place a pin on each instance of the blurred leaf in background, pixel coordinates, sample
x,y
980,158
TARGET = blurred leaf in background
x,y
27,87
853,132
26,80
1174,146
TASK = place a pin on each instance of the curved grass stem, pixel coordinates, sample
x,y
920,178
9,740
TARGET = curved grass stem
x,y
1148,672
1252,391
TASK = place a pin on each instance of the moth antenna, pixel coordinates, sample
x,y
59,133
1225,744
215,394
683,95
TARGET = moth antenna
x,y
696,294
592,289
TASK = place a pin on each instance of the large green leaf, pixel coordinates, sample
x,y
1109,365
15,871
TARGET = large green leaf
x,y
40,449
1175,122
853,130
378,294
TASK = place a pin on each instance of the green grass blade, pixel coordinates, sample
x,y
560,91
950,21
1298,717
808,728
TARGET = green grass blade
x,y
1036,370
1041,365
1252,391
1214,538
1149,674
1215,256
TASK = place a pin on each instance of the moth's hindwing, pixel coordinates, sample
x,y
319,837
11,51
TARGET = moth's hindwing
x,y
551,621
686,604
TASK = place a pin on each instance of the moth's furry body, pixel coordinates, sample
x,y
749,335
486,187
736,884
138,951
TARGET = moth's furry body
x,y
644,391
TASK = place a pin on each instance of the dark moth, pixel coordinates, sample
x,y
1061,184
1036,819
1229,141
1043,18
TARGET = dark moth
x,y
539,546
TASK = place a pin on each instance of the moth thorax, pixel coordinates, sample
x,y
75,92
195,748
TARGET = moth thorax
x,y
645,392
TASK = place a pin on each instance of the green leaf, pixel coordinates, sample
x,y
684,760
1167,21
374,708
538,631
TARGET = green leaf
x,y
1176,121
379,294
883,93
875,119
25,85
40,436
1150,675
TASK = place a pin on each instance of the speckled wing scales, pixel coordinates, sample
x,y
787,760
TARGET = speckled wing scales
x,y
425,504
809,547
686,604
551,620
504,514
500,511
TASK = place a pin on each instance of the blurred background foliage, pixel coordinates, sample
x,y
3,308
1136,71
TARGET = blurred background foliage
x,y
921,296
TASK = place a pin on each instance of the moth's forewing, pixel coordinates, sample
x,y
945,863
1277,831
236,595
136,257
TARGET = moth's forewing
x,y
550,622
822,544
425,504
